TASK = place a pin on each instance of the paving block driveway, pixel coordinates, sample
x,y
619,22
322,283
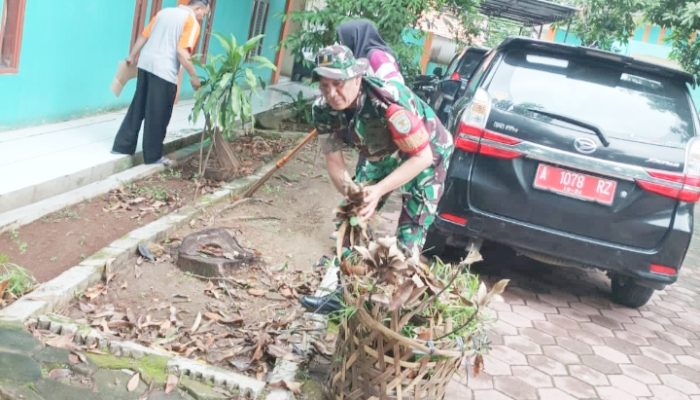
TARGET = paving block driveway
x,y
559,337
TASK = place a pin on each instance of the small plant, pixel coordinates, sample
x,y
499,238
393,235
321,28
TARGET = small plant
x,y
14,279
224,100
22,246
299,106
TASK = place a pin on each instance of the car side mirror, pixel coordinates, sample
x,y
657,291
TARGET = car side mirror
x,y
437,71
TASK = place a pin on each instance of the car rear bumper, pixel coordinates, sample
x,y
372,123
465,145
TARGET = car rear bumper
x,y
577,250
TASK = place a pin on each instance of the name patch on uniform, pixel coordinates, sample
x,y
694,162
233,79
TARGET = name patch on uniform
x,y
401,122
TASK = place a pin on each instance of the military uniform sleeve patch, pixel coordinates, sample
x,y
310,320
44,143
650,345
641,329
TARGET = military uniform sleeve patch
x,y
407,130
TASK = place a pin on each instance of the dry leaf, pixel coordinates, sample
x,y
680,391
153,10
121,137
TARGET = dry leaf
x,y
294,387
171,383
212,316
256,292
197,321
3,286
133,382
59,373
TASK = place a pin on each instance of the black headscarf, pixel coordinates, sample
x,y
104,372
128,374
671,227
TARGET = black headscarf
x,y
360,35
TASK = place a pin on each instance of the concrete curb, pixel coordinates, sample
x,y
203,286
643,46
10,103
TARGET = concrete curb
x,y
84,335
24,215
62,289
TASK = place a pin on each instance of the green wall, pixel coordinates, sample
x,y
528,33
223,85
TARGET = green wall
x,y
70,50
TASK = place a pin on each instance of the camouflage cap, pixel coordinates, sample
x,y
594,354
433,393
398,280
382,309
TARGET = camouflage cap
x,y
338,62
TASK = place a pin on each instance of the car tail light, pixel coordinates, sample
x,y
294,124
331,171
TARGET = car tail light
x,y
662,270
455,76
683,186
471,130
454,218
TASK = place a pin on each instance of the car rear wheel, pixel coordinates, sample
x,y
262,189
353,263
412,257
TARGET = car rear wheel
x,y
628,293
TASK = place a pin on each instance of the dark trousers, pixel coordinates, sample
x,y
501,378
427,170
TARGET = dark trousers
x,y
152,105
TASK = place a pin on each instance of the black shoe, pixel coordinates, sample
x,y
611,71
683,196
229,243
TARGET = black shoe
x,y
322,305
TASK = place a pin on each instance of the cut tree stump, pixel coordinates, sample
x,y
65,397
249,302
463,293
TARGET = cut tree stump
x,y
213,253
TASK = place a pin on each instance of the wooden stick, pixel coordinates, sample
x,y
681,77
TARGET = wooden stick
x,y
280,163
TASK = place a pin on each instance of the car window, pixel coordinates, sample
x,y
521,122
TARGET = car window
x,y
469,63
453,65
623,103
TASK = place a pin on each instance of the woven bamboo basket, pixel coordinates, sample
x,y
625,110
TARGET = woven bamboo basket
x,y
373,361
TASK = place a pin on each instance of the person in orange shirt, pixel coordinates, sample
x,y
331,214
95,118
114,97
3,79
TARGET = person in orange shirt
x,y
166,44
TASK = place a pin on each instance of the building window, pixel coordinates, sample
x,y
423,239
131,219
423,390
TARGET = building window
x,y
11,24
258,20
142,9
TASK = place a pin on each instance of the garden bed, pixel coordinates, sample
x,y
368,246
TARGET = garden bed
x,y
58,241
247,319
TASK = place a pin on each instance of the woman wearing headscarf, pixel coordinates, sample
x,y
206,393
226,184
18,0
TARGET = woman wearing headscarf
x,y
363,39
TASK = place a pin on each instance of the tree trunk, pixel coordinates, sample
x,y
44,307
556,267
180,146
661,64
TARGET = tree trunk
x,y
224,153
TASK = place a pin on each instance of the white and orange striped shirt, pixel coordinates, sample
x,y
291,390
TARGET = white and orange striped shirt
x,y
171,29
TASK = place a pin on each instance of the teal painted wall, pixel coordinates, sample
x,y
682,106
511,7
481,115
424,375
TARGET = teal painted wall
x,y
70,51
67,60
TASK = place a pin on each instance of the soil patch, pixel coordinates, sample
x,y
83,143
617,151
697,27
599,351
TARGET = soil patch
x,y
61,240
244,321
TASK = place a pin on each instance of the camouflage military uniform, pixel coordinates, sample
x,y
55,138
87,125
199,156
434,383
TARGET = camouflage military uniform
x,y
367,128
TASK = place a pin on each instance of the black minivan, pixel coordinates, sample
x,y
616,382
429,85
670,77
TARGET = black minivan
x,y
576,157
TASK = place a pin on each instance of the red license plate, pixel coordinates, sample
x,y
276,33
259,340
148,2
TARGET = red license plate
x,y
574,184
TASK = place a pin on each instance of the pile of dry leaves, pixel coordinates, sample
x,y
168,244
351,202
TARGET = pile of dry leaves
x,y
252,149
245,321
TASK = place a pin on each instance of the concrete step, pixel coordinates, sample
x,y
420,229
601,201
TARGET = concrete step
x,y
41,162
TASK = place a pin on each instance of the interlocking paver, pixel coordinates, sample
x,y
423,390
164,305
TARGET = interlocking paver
x,y
574,314
596,329
522,344
563,322
650,364
494,366
554,394
640,330
537,336
666,346
561,354
640,374
514,319
532,376
633,338
588,375
658,355
575,345
689,361
680,384
587,338
675,338
575,387
613,393
629,385
482,381
606,322
611,354
549,328
490,395
508,355
555,300
503,328
559,337
515,387
601,364
547,365
684,372
529,313
667,393
651,325
622,346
